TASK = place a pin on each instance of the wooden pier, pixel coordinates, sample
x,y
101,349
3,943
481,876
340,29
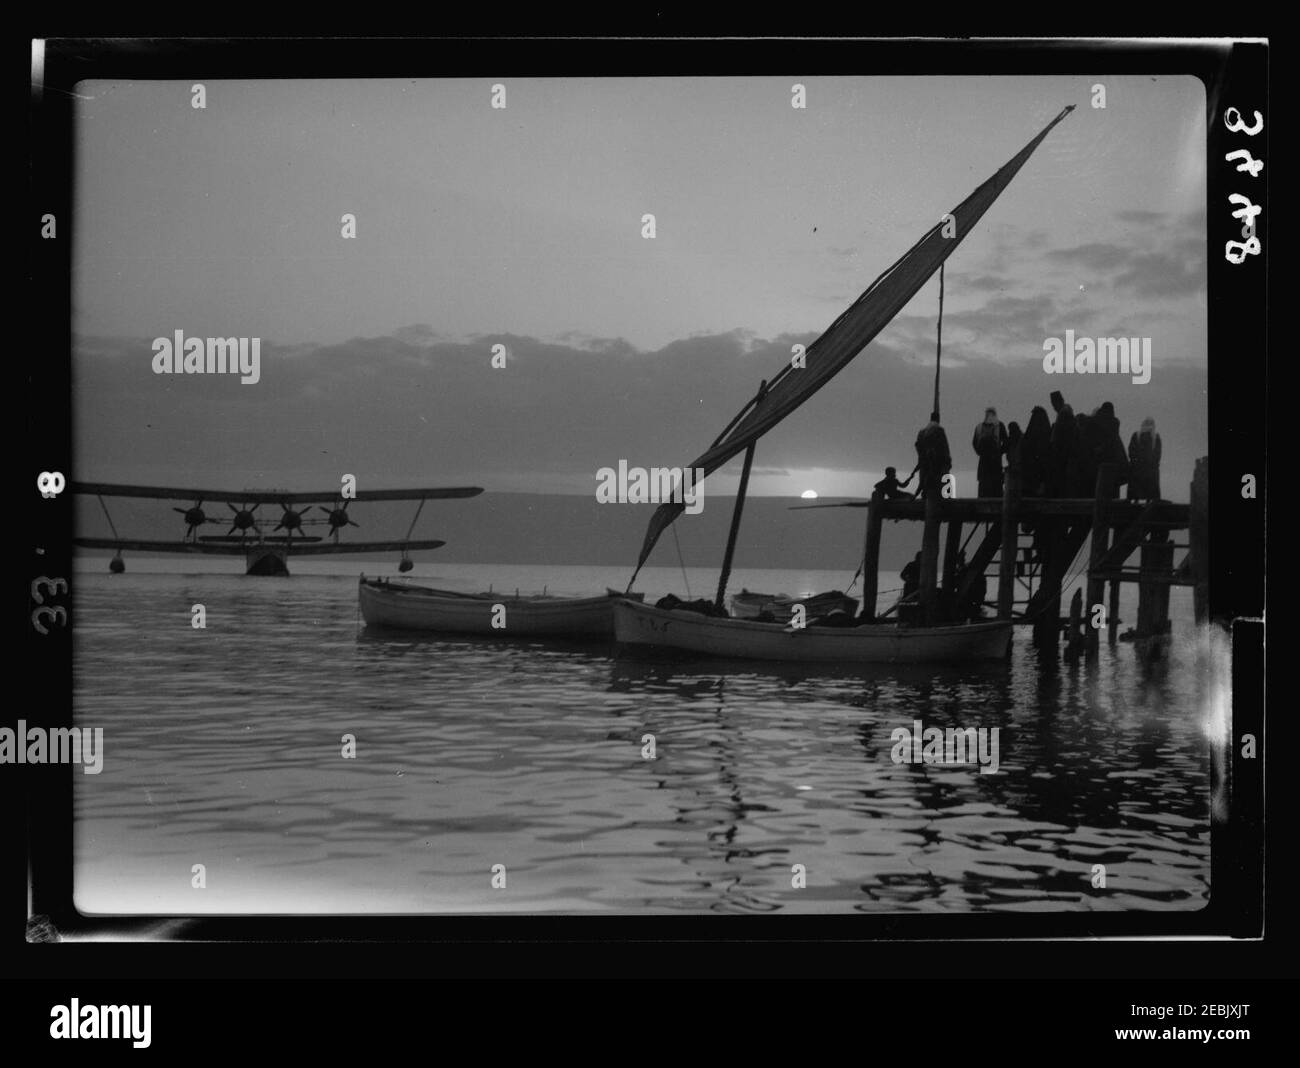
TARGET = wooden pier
x,y
1031,544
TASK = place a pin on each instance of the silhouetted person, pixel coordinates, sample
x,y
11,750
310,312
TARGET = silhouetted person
x,y
1014,450
1036,454
958,566
1015,439
890,488
1144,456
1064,431
989,442
1081,468
972,605
933,458
911,576
1105,446
975,603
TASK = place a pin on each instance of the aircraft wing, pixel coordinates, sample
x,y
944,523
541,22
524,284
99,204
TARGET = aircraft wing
x,y
234,547
329,548
112,489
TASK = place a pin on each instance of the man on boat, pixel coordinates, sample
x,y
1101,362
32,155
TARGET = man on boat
x,y
911,576
890,488
933,459
972,605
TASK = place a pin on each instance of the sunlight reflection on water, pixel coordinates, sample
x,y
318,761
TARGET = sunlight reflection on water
x,y
223,748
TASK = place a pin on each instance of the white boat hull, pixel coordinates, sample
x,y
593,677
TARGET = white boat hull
x,y
393,605
645,626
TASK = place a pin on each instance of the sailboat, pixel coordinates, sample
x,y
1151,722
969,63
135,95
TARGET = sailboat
x,y
637,624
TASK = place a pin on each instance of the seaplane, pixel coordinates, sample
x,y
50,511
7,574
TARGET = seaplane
x,y
268,538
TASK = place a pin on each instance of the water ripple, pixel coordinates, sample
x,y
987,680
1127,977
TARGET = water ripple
x,y
223,747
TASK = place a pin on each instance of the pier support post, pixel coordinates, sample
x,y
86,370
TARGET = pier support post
x,y
1162,560
1074,636
951,547
1112,615
1010,541
1146,593
1097,551
1199,539
1156,565
930,558
871,558
1052,534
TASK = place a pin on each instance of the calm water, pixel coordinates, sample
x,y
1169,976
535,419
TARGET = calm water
x,y
223,748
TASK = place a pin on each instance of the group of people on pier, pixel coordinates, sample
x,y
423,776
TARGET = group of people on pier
x,y
1056,459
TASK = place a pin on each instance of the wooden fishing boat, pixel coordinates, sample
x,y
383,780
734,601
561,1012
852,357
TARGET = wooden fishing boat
x,y
873,641
643,625
406,606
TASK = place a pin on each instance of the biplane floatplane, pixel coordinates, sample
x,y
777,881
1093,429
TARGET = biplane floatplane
x,y
266,541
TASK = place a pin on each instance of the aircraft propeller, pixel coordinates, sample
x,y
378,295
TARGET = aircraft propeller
x,y
194,518
290,521
243,521
339,518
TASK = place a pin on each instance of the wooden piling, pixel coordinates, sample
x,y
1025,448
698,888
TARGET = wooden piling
x,y
1162,563
1156,572
1010,540
1047,624
871,557
1097,550
1199,539
1112,614
1146,594
1074,638
930,558
952,546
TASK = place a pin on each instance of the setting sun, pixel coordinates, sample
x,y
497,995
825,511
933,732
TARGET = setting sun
x,y
809,495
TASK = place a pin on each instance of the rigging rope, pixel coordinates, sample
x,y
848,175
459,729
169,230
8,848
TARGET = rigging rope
x,y
682,564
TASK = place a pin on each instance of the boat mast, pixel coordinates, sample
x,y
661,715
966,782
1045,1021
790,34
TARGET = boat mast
x,y
938,344
737,510
930,535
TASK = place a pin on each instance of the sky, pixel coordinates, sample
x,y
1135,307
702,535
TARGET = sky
x,y
523,227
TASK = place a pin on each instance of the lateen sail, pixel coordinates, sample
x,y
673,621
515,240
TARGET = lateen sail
x,y
850,333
